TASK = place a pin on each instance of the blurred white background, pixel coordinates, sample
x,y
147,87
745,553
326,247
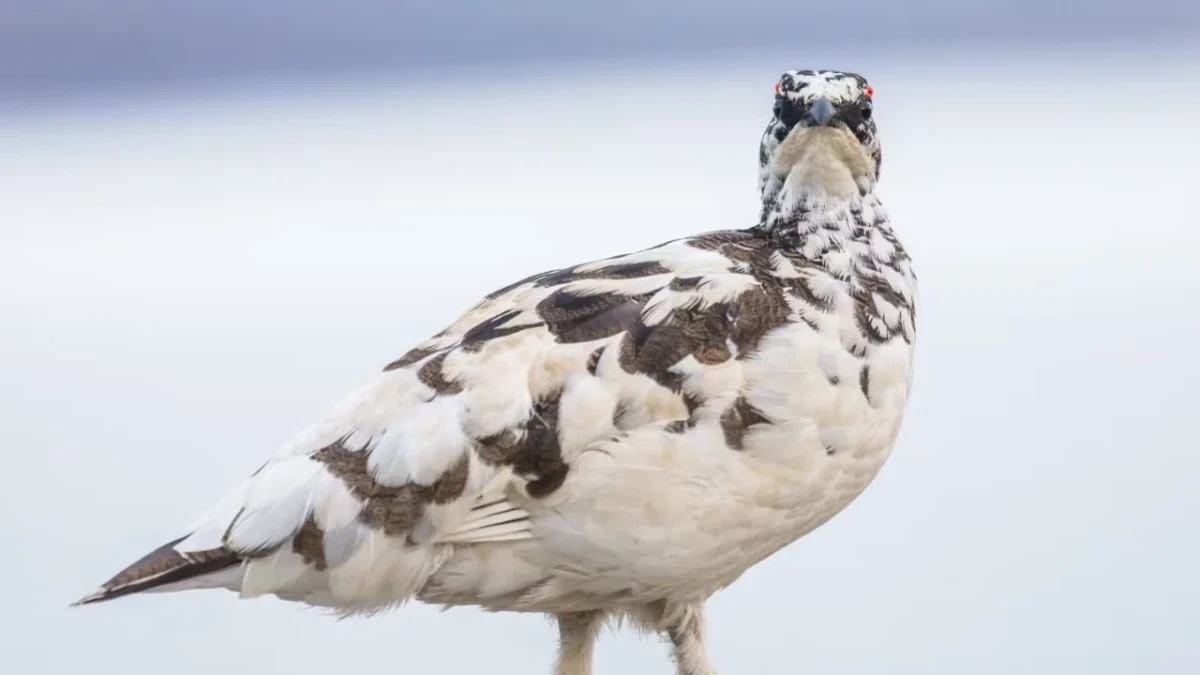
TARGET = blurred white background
x,y
191,273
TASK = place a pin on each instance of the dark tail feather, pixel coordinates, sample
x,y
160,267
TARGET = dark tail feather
x,y
162,566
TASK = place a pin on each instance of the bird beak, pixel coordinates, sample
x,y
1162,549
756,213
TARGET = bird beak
x,y
822,112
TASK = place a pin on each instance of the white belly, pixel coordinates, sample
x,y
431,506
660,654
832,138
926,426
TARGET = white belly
x,y
680,515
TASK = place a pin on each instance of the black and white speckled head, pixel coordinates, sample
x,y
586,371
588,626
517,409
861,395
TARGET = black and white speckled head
x,y
808,100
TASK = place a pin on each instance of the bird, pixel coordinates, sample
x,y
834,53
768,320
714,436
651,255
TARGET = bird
x,y
611,442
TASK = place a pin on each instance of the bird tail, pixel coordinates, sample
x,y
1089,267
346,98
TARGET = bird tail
x,y
166,569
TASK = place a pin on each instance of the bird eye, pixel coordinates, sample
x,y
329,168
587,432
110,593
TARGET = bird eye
x,y
787,111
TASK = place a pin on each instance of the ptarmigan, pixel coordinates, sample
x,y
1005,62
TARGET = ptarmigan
x,y
621,438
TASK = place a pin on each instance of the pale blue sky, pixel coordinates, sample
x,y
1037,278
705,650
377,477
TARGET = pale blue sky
x,y
52,45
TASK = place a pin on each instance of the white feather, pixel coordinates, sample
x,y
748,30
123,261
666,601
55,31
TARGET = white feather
x,y
276,505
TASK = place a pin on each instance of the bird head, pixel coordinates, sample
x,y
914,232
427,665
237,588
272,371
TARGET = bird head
x,y
821,136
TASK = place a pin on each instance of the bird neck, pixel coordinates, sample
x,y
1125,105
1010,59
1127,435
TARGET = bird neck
x,y
820,179
791,217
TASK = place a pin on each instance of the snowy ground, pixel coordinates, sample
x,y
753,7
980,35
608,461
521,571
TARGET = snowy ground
x,y
186,281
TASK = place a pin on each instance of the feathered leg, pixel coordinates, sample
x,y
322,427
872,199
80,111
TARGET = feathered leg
x,y
577,632
684,627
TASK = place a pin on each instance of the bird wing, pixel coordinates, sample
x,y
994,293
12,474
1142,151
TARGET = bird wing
x,y
508,395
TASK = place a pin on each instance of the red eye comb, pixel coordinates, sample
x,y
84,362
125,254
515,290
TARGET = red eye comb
x,y
870,92
776,88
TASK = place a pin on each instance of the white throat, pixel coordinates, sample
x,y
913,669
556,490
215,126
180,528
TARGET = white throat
x,y
823,163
